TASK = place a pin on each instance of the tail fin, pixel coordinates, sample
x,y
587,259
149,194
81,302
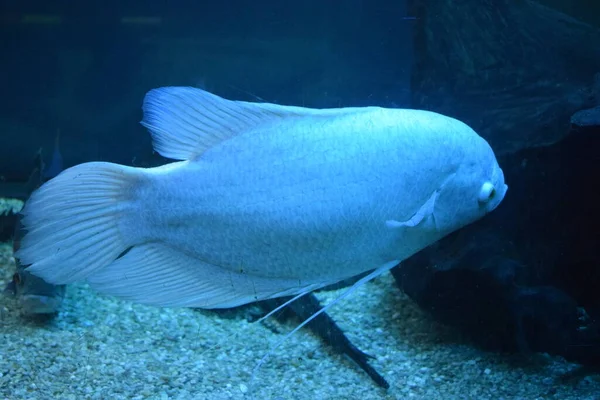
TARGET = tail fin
x,y
72,222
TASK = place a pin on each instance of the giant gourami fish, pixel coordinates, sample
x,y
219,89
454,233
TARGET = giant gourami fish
x,y
266,201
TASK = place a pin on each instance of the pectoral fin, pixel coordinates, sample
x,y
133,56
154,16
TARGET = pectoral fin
x,y
421,215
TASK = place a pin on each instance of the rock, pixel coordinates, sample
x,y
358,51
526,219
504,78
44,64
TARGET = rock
x,y
524,278
518,86
587,118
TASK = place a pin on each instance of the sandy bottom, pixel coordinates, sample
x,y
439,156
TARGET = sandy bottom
x,y
103,348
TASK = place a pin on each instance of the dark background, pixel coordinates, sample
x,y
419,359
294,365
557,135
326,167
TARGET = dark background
x,y
84,71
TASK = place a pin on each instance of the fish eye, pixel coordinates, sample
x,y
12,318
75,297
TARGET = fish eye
x,y
487,192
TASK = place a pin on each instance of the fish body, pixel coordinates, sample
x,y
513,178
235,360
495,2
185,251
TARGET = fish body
x,y
268,201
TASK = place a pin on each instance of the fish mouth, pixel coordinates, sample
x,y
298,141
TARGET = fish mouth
x,y
35,304
501,195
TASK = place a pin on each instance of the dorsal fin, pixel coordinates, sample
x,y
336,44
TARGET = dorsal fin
x,y
184,121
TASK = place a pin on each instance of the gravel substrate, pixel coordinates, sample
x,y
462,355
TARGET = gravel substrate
x,y
103,348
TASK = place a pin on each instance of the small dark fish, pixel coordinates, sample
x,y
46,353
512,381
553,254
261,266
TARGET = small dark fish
x,y
36,296
326,328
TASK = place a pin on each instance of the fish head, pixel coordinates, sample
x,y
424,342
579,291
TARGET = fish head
x,y
473,190
34,295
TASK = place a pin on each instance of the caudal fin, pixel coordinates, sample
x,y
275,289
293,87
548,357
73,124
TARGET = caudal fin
x,y
72,222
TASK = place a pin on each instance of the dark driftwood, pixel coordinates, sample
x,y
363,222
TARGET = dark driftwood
x,y
514,70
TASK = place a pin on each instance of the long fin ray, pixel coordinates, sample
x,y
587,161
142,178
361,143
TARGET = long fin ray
x,y
290,301
261,319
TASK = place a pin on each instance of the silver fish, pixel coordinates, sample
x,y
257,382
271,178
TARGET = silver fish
x,y
268,201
